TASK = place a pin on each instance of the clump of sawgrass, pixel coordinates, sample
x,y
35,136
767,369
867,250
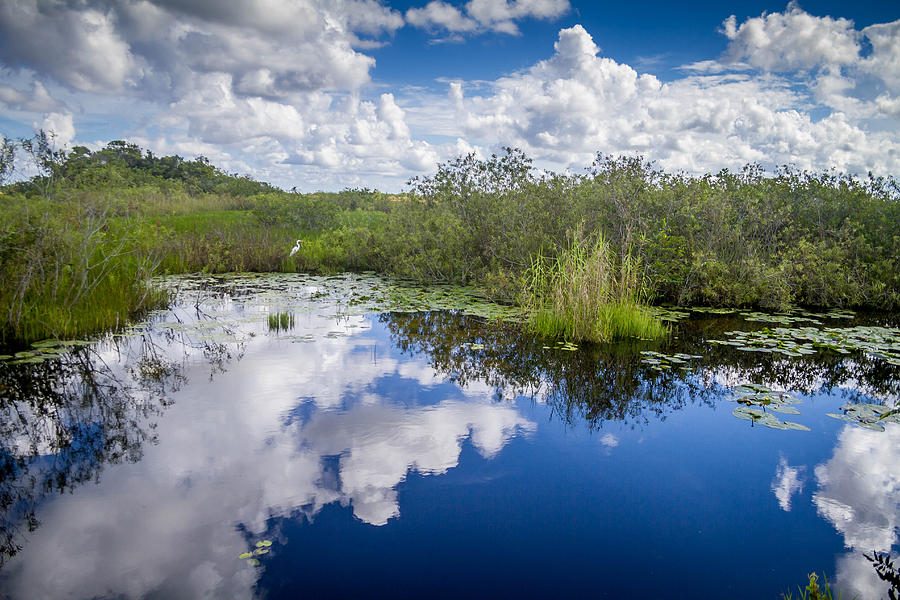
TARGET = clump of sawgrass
x,y
281,321
68,273
813,591
588,293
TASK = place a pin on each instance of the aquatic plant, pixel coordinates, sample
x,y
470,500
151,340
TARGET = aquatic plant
x,y
68,270
281,321
662,362
755,400
587,293
813,591
252,557
868,416
881,343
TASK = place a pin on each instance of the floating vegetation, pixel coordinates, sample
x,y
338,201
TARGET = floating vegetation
x,y
45,344
355,293
262,548
711,310
562,345
670,314
767,340
40,352
832,314
759,416
781,319
868,416
299,339
754,401
765,398
877,342
663,362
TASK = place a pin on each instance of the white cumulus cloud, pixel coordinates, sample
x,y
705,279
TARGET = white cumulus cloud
x,y
792,40
284,90
484,15
576,103
36,100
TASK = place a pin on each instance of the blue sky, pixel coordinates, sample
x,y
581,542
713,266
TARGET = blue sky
x,y
326,94
658,38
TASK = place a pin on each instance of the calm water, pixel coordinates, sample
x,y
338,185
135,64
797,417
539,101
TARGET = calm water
x,y
428,454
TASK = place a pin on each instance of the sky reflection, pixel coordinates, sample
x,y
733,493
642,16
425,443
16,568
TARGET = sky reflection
x,y
327,439
859,494
257,442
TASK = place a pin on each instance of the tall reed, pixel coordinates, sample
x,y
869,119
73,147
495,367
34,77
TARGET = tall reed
x,y
281,321
587,293
67,272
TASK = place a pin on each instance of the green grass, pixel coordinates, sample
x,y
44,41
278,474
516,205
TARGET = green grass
x,y
813,591
208,220
587,293
281,321
67,271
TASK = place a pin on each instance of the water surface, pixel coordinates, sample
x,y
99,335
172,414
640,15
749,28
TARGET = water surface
x,y
430,453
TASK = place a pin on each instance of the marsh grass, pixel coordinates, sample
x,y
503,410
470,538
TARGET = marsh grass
x,y
68,273
587,293
281,321
239,245
813,591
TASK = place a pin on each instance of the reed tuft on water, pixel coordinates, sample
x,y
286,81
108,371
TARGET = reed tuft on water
x,y
281,321
587,293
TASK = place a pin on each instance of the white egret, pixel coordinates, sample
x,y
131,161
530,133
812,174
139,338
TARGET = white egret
x,y
296,247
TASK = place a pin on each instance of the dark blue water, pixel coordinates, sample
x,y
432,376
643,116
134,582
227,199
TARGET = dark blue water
x,y
383,457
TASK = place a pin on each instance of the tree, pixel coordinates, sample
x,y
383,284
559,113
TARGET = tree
x,y
7,158
48,160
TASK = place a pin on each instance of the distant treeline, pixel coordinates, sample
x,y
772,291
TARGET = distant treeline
x,y
119,164
94,225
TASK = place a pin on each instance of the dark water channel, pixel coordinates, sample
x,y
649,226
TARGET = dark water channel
x,y
341,451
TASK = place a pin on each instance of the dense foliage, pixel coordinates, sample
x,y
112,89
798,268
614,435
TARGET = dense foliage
x,y
738,239
95,221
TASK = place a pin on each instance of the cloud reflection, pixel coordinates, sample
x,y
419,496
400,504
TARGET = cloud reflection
x,y
786,483
256,442
859,494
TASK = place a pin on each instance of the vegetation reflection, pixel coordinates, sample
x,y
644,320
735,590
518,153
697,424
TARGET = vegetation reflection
x,y
63,419
626,381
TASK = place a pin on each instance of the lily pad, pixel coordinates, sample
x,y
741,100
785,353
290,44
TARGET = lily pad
x,y
46,344
759,416
749,413
868,416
